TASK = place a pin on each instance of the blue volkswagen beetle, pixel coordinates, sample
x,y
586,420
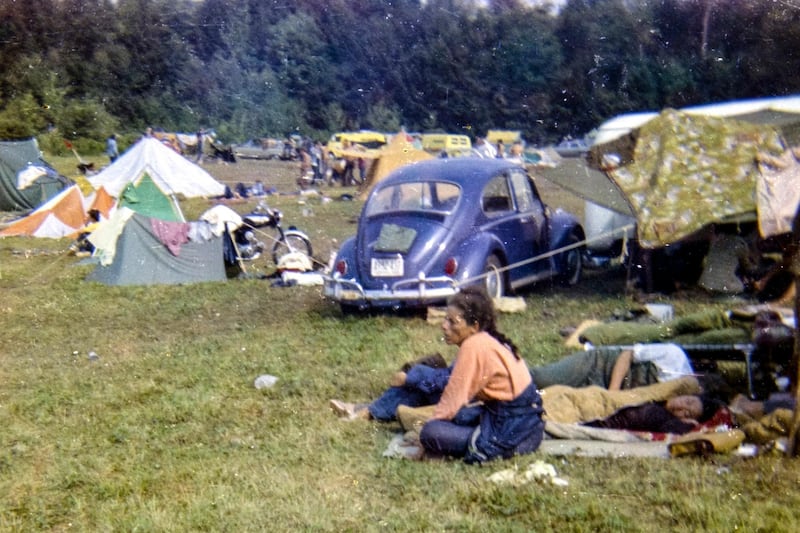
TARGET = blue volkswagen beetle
x,y
435,225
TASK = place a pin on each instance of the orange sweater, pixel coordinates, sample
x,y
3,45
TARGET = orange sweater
x,y
484,370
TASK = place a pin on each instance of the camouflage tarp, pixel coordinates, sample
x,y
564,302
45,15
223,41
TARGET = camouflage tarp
x,y
681,172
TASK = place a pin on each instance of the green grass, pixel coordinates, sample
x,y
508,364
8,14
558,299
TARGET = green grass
x,y
166,432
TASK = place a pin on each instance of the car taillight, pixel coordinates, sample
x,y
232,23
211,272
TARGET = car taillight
x,y
451,266
341,267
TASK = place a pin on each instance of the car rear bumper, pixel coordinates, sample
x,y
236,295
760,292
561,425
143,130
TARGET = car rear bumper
x,y
417,291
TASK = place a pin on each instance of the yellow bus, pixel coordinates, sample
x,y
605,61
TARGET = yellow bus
x,y
364,138
452,145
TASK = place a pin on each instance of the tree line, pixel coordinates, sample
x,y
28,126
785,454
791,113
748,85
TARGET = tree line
x,y
81,69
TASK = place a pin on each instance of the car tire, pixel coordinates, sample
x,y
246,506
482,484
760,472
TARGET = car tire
x,y
570,263
494,280
351,310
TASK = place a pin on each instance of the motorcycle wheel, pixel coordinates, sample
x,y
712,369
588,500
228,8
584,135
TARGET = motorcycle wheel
x,y
293,242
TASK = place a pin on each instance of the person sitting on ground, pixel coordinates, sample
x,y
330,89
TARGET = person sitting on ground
x,y
489,369
242,190
616,368
416,384
82,246
258,188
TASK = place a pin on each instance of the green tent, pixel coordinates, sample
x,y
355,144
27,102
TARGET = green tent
x,y
140,257
24,158
147,199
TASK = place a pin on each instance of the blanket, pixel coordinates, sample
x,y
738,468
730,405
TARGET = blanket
x,y
707,327
599,448
569,405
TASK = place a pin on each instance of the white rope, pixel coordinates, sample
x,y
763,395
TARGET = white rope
x,y
275,239
551,253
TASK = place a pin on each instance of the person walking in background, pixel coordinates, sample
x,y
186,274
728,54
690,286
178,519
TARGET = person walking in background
x,y
501,150
317,163
483,149
112,150
306,177
200,141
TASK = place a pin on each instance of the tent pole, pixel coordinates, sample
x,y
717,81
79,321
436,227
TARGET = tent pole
x,y
178,207
236,249
794,367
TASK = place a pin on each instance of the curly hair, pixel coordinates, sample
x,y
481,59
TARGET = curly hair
x,y
477,308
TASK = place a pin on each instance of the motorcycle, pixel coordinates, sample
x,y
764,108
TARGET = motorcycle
x,y
289,240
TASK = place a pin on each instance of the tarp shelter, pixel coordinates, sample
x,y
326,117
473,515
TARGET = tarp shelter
x,y
61,216
678,171
172,173
26,180
681,172
132,251
398,152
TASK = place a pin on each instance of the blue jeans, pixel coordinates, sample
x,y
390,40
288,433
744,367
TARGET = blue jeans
x,y
385,407
494,430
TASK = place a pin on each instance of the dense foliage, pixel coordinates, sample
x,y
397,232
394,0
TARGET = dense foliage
x,y
84,68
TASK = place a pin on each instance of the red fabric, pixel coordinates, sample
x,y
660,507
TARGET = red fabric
x,y
173,235
722,417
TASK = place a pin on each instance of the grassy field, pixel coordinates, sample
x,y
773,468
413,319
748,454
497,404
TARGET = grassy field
x,y
164,430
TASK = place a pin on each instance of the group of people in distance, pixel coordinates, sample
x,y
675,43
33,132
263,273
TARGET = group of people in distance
x,y
489,404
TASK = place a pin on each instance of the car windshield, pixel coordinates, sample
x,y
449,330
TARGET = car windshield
x,y
425,196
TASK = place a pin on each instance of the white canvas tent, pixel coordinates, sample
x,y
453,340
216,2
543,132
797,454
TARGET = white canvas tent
x,y
172,173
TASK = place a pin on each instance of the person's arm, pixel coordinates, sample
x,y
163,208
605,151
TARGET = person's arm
x,y
462,384
621,368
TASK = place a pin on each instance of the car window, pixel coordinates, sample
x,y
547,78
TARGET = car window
x,y
496,196
436,196
523,191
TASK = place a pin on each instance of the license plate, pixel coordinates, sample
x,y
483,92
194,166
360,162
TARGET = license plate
x,y
387,268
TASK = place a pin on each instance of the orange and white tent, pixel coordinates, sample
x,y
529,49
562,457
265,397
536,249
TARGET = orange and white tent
x,y
64,215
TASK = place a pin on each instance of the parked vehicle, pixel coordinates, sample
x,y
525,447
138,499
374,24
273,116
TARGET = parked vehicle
x,y
259,149
435,225
250,247
365,139
451,145
572,147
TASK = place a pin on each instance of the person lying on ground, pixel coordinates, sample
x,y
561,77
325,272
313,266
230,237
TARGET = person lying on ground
x,y
489,369
616,368
573,405
677,415
417,383
704,327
